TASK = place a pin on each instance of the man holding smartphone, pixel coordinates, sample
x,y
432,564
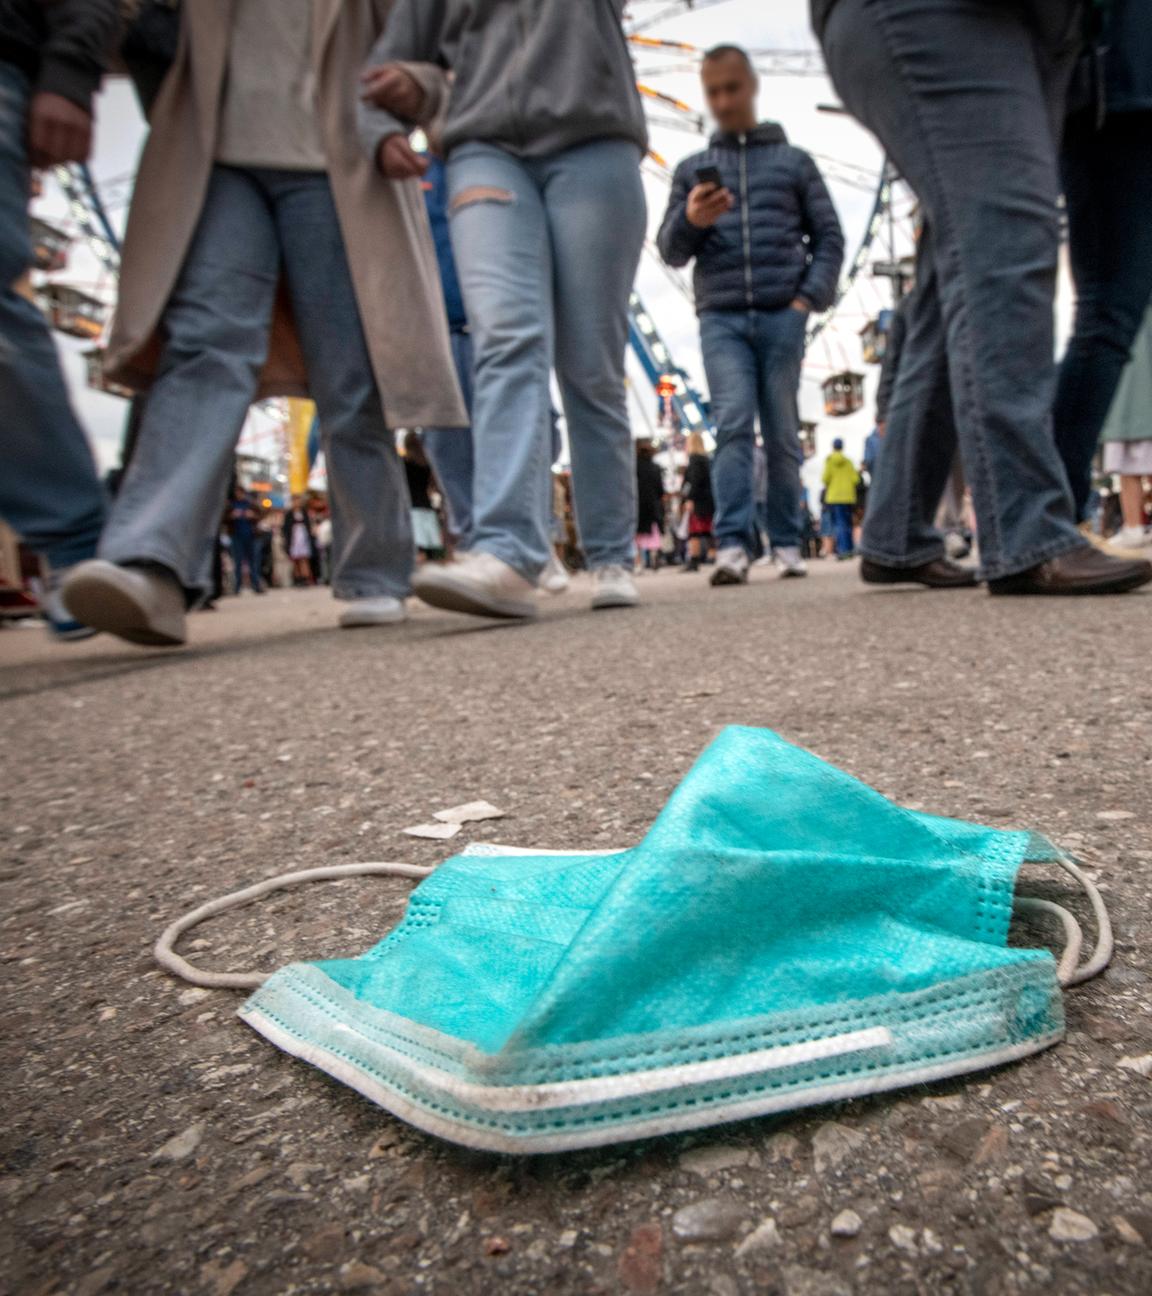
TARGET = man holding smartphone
x,y
755,215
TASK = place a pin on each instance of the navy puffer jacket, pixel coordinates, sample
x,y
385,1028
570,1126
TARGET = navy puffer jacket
x,y
781,240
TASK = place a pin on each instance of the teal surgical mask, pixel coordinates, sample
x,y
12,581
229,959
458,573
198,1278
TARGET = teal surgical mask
x,y
783,936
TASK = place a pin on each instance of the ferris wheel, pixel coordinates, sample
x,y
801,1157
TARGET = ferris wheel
x,y
668,38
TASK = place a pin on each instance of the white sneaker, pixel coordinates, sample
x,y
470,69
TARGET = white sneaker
x,y
480,585
373,612
140,604
789,561
555,578
1132,537
613,587
731,567
61,622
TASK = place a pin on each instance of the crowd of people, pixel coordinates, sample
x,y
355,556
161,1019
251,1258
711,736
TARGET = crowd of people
x,y
287,237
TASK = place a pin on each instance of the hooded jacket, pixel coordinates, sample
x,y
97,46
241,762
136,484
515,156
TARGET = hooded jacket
x,y
61,45
781,240
840,479
533,76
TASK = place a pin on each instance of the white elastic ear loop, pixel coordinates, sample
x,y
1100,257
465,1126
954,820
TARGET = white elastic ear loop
x,y
168,959
1070,971
1073,936
1102,954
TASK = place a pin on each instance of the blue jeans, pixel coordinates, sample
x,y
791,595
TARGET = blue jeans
x,y
547,249
450,450
246,549
49,491
1108,189
752,361
841,517
216,327
967,97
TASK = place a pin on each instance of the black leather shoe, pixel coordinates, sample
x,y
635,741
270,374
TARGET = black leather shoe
x,y
937,574
1081,571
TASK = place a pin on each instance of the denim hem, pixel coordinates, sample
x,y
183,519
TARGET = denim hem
x,y
1013,566
514,560
350,593
170,564
67,553
903,561
623,558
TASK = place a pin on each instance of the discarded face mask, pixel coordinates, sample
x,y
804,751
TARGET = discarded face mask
x,y
783,936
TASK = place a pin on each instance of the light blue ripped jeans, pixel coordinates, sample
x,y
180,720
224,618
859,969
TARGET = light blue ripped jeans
x,y
547,250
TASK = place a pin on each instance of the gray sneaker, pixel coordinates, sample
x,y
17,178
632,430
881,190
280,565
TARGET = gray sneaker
x,y
144,605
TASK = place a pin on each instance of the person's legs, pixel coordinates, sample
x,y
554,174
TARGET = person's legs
x,y
920,442
595,207
49,491
958,92
728,343
1132,501
1108,189
842,520
372,553
500,238
780,348
449,451
216,326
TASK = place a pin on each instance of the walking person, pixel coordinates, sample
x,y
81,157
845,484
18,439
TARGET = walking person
x,y
299,543
450,450
697,501
841,487
265,256
1106,164
1128,443
649,506
966,98
51,60
754,214
242,517
548,216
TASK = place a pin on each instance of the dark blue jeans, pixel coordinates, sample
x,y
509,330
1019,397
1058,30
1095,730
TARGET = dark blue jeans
x,y
246,549
752,361
842,516
1108,189
49,492
966,97
450,450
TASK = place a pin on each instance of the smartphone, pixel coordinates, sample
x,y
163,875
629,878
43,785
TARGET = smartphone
x,y
709,175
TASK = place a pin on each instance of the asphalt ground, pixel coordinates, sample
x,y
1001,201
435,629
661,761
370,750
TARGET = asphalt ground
x,y
153,1143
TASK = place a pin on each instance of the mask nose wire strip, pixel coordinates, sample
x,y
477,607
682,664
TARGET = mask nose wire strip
x,y
1070,971
164,949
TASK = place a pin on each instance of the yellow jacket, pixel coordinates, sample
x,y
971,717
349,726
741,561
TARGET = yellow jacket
x,y
840,479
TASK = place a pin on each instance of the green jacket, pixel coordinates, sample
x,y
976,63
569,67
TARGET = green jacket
x,y
840,479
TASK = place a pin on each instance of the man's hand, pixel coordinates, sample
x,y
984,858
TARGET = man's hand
x,y
799,304
706,204
58,131
392,88
399,160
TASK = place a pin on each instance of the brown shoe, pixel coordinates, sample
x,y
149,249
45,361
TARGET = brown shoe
x,y
1080,571
940,573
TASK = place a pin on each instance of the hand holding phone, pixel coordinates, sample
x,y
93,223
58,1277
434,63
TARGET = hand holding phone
x,y
708,200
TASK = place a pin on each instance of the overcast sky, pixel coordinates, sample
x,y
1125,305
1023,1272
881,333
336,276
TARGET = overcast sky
x,y
792,100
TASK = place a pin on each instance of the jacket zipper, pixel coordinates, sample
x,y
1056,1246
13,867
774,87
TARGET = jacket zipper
x,y
745,221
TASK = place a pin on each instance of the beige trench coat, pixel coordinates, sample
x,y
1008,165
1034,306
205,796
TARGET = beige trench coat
x,y
384,223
